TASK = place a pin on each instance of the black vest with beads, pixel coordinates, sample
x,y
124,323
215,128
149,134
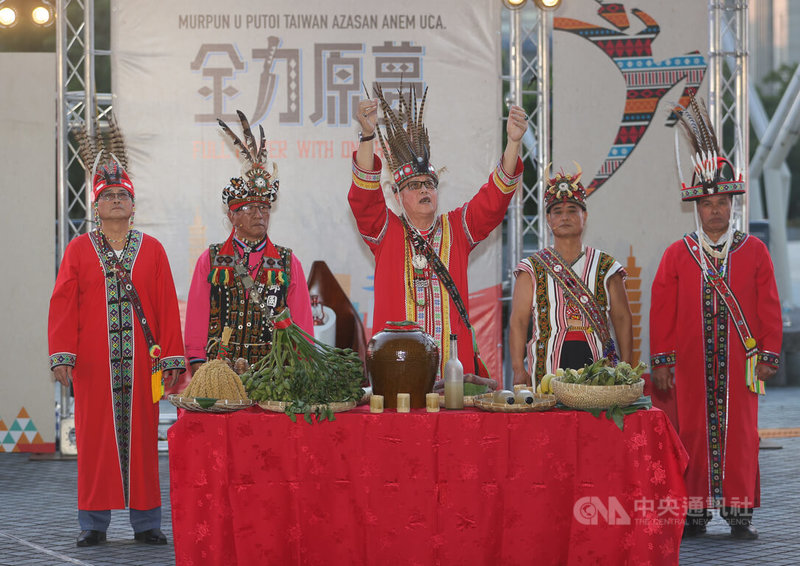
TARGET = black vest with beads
x,y
232,306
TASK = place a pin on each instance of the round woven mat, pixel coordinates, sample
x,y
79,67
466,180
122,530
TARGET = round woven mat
x,y
220,406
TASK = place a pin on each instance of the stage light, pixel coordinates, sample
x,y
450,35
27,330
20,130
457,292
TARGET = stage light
x,y
547,4
8,17
514,4
42,15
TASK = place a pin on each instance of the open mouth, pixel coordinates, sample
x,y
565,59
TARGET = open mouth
x,y
425,200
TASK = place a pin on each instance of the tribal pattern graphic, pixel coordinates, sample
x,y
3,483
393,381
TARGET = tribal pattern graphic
x,y
62,359
715,334
543,308
121,347
662,359
647,81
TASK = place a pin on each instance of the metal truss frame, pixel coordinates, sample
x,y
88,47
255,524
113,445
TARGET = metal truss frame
x,y
528,78
528,56
77,102
728,93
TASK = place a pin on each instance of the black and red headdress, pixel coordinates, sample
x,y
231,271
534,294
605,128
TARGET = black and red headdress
x,y
564,188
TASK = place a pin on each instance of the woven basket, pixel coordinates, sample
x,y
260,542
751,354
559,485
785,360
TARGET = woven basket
x,y
540,403
221,405
580,396
280,406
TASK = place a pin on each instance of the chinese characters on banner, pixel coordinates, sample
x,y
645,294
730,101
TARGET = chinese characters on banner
x,y
299,71
337,79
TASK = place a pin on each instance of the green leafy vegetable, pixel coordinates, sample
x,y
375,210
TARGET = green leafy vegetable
x,y
306,374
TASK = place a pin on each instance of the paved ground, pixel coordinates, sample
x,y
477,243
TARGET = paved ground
x,y
778,543
38,520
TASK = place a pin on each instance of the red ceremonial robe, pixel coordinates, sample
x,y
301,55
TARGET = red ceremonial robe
x,y
93,328
458,232
690,329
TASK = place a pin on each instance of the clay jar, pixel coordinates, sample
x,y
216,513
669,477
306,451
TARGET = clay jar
x,y
402,359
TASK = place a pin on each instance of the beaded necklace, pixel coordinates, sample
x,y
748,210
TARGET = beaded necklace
x,y
122,240
421,271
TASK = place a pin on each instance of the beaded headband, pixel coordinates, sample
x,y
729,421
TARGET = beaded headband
x,y
564,188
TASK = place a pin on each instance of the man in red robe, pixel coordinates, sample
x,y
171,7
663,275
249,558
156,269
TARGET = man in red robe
x,y
715,335
98,342
406,285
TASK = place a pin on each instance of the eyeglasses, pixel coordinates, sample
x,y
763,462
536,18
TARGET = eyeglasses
x,y
123,195
417,185
252,208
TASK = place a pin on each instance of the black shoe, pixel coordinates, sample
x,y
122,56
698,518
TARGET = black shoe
x,y
91,538
153,536
744,531
692,529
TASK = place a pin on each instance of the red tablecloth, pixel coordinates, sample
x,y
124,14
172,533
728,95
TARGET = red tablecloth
x,y
455,488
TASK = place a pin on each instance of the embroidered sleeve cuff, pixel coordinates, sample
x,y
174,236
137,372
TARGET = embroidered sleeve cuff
x,y
175,362
62,359
665,359
769,358
369,180
505,182
197,361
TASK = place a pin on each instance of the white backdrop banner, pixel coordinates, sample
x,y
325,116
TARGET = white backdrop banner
x,y
297,69
618,70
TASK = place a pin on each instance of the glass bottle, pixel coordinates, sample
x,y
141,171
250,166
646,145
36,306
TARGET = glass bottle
x,y
453,378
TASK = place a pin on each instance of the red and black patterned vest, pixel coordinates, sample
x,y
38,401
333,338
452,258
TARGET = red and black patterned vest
x,y
232,306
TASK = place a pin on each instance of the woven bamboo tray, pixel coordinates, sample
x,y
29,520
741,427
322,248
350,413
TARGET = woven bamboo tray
x,y
579,396
541,402
280,406
220,406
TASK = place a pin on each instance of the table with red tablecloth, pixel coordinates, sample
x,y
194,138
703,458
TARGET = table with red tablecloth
x,y
454,487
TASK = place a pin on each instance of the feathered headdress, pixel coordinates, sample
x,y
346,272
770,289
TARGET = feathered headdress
x,y
105,160
564,188
712,174
258,185
405,142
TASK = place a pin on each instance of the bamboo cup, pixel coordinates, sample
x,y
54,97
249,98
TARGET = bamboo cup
x,y
403,402
376,404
